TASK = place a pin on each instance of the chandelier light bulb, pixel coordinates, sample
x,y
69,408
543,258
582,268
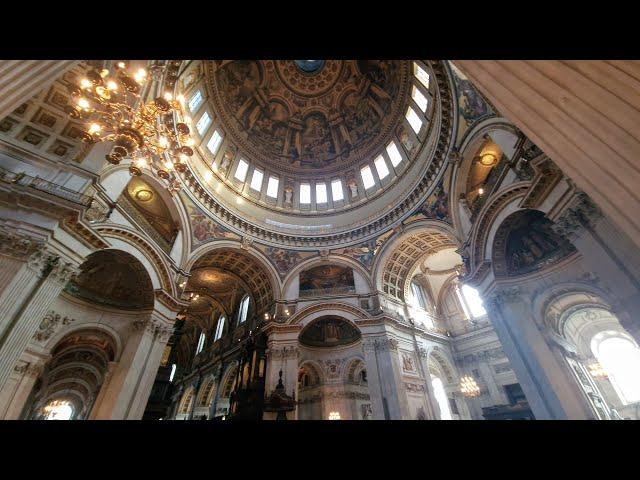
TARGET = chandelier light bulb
x,y
163,141
168,165
94,128
112,85
83,103
168,97
104,72
85,83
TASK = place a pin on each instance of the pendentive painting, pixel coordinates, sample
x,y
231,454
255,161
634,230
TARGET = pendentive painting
x,y
326,280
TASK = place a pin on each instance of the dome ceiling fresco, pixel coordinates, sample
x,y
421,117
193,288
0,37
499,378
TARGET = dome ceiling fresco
x,y
329,116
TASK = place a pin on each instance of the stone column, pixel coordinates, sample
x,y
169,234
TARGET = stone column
x,y
584,114
103,388
611,258
33,290
551,392
384,377
132,380
20,80
432,412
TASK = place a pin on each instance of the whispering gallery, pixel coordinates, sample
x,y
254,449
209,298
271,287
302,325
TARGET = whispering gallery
x,y
319,240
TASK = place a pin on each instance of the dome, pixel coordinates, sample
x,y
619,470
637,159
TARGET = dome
x,y
315,152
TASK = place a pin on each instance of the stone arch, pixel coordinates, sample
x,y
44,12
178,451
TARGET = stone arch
x,y
444,362
550,246
346,311
113,278
470,144
352,370
184,407
228,380
254,257
314,370
207,391
400,253
130,241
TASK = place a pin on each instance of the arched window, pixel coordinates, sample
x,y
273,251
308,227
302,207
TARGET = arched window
x,y
58,410
441,398
200,342
470,301
173,372
219,328
244,309
620,358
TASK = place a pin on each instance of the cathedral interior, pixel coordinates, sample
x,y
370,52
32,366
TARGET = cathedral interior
x,y
319,240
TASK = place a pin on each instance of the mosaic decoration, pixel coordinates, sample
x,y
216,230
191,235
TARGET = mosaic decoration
x,y
436,206
472,106
326,280
203,228
284,260
329,332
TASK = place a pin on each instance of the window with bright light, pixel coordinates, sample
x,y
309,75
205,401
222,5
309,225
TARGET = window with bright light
x,y
419,98
394,154
195,101
472,302
200,342
256,180
214,142
413,119
421,75
203,123
381,167
336,190
305,193
321,193
620,358
173,372
58,410
244,309
367,177
441,398
418,295
219,328
272,187
334,415
241,171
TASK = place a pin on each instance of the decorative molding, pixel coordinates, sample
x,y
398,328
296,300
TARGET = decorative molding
x,y
580,213
49,324
18,245
414,387
382,344
283,352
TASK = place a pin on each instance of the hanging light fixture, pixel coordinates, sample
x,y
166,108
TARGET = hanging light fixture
x,y
109,103
469,387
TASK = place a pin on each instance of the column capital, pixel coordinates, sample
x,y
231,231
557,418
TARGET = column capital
x,y
63,271
18,245
383,344
580,213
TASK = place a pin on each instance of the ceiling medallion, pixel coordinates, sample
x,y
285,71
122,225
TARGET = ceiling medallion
x,y
144,195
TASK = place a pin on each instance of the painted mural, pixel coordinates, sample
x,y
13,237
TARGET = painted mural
x,y
472,106
203,228
326,280
283,260
436,206
364,253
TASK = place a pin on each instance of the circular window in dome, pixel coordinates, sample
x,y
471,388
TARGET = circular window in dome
x,y
309,66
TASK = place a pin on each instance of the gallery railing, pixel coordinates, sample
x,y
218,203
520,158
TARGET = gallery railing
x,y
37,183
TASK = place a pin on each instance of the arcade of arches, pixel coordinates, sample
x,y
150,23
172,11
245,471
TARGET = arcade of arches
x,y
354,240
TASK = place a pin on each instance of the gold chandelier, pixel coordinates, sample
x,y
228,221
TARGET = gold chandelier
x,y
110,105
469,387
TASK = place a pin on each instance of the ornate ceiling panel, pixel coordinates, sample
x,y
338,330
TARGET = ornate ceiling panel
x,y
404,257
322,119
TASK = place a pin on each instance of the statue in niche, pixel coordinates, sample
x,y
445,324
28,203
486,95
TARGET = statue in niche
x,y
226,161
421,415
288,196
353,188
